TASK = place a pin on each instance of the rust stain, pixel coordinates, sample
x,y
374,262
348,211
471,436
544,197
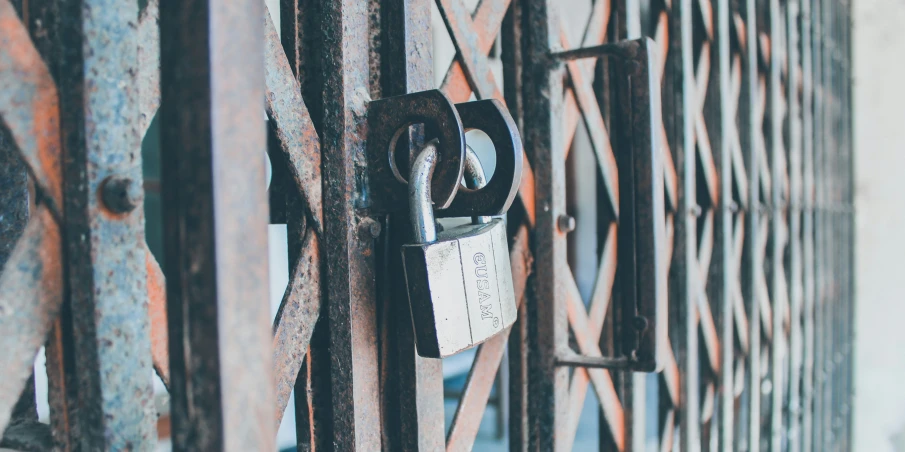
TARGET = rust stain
x,y
35,125
157,311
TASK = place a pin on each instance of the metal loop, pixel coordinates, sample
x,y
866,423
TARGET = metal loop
x,y
475,178
424,225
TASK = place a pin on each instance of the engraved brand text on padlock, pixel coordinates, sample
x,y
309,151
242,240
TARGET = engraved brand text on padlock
x,y
459,281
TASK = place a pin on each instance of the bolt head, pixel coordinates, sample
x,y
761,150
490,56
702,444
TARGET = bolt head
x,y
566,223
121,194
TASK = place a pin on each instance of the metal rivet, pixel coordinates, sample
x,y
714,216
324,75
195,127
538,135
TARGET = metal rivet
x,y
565,223
640,323
733,207
121,194
695,211
371,228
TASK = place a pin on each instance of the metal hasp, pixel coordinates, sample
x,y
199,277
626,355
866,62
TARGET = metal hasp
x,y
389,120
641,283
496,195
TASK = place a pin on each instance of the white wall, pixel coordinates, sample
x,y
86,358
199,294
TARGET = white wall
x,y
879,71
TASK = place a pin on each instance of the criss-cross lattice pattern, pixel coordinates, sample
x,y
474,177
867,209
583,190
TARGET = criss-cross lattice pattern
x,y
298,160
298,152
587,318
474,34
31,287
669,401
755,148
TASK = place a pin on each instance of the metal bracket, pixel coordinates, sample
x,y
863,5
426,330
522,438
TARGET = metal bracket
x,y
388,120
641,278
492,118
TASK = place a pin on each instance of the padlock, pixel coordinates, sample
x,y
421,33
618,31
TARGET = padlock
x,y
459,280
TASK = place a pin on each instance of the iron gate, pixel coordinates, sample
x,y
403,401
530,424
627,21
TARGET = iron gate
x,y
756,160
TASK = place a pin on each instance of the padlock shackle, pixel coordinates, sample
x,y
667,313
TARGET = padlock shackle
x,y
474,178
424,226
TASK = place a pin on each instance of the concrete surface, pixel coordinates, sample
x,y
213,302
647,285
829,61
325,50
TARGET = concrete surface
x,y
879,72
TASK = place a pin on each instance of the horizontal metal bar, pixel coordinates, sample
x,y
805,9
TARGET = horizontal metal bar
x,y
622,49
570,359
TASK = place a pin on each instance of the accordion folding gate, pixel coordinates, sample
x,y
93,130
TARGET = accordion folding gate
x,y
754,151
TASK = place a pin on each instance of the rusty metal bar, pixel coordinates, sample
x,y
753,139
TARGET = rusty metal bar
x,y
547,322
757,98
296,155
303,211
107,295
215,219
343,87
39,19
14,213
413,387
23,431
512,51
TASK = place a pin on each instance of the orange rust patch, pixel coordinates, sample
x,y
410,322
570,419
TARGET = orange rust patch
x,y
157,312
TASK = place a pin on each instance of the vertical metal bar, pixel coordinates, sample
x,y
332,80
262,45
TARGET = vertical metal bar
x,y
350,290
413,390
104,224
518,348
215,224
725,258
623,22
60,361
777,203
543,138
809,262
819,263
833,222
835,192
313,404
848,127
796,289
635,400
688,277
823,409
665,29
752,258
833,212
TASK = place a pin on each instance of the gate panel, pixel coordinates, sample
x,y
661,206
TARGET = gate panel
x,y
754,145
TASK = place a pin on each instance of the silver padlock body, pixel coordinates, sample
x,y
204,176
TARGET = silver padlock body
x,y
460,288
